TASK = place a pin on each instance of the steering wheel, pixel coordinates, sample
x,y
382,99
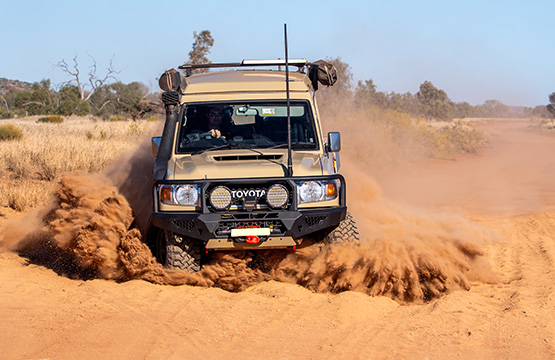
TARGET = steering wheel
x,y
203,135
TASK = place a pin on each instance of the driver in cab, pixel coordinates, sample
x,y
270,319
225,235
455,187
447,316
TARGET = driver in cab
x,y
215,117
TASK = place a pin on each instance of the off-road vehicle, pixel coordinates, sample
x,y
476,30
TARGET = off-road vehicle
x,y
264,178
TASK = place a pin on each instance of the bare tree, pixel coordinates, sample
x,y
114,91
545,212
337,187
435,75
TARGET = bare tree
x,y
5,103
551,105
202,44
94,82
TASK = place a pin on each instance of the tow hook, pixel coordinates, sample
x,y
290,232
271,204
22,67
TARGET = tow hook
x,y
252,239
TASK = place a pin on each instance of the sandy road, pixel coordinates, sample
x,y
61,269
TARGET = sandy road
x,y
507,189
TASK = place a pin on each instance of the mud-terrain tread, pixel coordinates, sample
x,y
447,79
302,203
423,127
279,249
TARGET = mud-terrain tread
x,y
345,233
184,255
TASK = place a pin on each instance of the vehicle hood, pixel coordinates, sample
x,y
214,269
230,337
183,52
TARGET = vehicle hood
x,y
243,163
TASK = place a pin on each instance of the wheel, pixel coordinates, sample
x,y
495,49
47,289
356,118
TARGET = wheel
x,y
157,244
345,233
177,252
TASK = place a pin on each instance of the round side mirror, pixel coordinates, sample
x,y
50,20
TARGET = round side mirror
x,y
170,80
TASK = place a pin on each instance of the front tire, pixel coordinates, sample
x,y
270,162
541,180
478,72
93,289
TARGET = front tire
x,y
345,233
177,252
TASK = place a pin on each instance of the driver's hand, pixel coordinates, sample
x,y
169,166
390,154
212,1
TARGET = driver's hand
x,y
215,133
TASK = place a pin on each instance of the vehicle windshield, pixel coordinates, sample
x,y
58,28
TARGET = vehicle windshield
x,y
259,125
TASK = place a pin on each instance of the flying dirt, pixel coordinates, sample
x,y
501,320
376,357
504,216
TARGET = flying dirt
x,y
406,254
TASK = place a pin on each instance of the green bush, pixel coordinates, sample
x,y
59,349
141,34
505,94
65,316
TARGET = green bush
x,y
5,114
83,109
134,129
117,118
19,113
10,132
54,119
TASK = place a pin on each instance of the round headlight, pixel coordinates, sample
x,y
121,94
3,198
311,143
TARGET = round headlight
x,y
220,198
311,191
186,195
277,196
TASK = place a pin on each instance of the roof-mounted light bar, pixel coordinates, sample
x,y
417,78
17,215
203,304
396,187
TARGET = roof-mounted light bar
x,y
300,63
275,62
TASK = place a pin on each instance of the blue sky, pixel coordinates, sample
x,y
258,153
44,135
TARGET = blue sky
x,y
474,50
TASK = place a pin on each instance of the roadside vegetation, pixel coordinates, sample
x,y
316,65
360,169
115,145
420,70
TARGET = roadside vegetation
x,y
10,132
545,123
383,129
31,164
98,94
129,101
429,102
82,125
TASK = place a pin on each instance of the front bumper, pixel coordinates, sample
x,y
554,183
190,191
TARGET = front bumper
x,y
295,224
292,223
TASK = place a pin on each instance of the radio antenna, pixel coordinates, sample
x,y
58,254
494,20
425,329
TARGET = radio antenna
x,y
289,160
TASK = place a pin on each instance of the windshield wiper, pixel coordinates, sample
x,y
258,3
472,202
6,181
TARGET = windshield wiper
x,y
225,146
277,146
302,145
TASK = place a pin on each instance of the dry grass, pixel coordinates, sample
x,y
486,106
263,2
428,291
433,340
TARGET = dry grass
x,y
456,138
10,132
543,125
29,167
21,195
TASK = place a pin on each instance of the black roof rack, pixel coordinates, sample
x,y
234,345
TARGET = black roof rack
x,y
300,63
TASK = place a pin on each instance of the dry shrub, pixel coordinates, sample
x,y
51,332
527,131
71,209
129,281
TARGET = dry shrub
x,y
117,118
542,124
10,132
53,119
457,138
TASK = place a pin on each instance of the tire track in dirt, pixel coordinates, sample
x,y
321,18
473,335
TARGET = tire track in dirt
x,y
523,299
533,251
511,319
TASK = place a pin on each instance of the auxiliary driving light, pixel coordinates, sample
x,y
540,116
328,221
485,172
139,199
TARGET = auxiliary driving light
x,y
277,196
220,198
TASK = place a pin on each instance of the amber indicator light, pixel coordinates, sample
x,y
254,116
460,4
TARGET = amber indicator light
x,y
331,190
166,194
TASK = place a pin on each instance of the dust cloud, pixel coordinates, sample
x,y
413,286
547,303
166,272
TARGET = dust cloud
x,y
91,230
408,256
512,176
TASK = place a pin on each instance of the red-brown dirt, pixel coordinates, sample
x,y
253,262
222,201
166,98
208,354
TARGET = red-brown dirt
x,y
461,253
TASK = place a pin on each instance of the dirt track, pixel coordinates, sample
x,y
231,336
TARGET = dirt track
x,y
508,188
